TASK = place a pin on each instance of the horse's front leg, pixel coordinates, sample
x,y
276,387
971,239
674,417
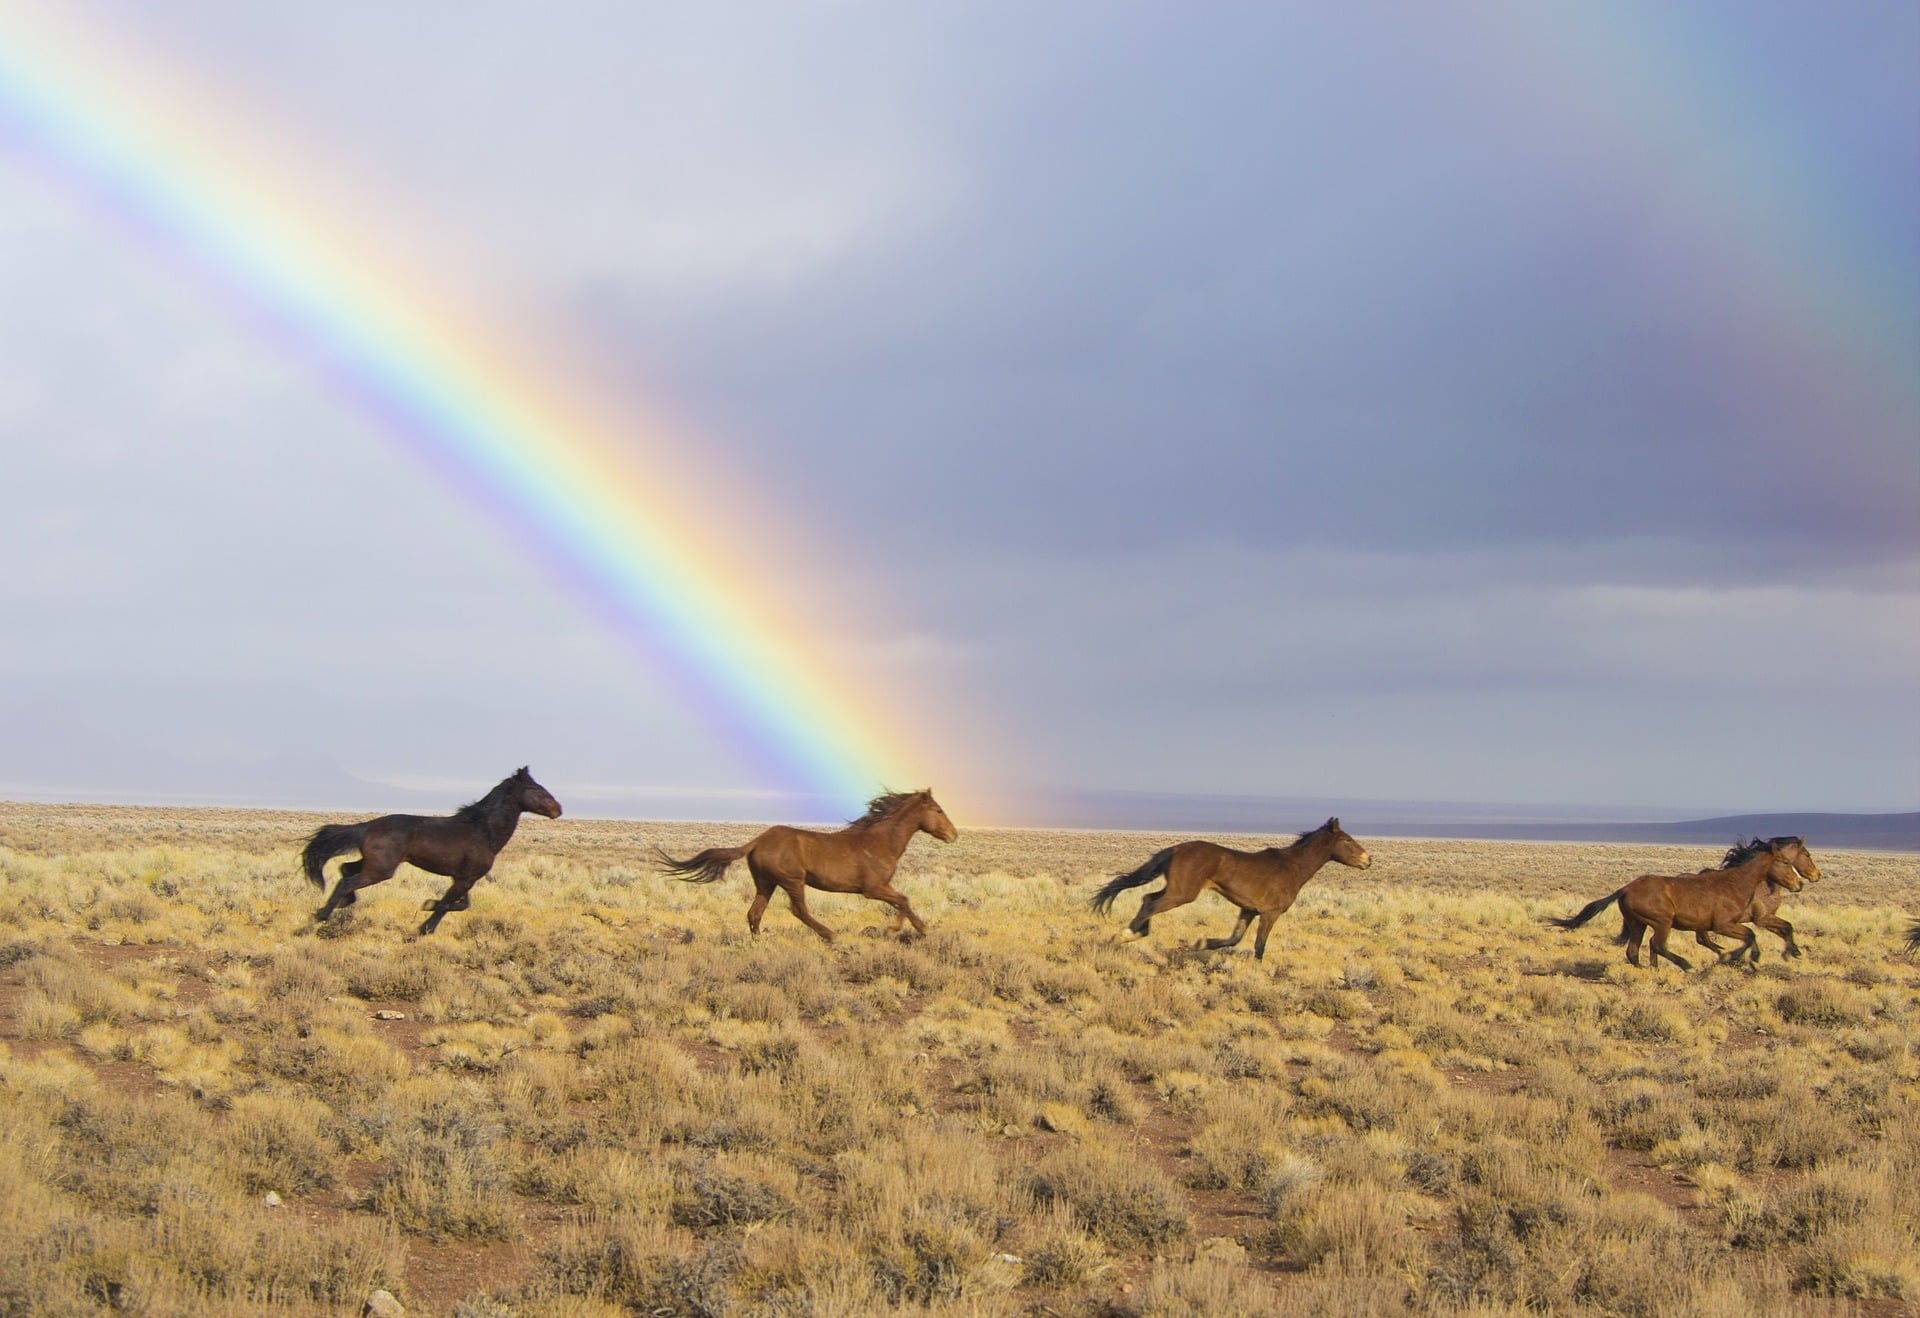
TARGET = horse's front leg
x,y
902,909
1781,928
1260,935
1749,942
1239,930
455,899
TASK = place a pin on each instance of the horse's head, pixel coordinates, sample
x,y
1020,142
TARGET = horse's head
x,y
932,820
533,796
1346,849
1781,869
1794,850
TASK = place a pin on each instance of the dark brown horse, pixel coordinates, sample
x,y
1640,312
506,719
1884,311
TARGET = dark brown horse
x,y
1768,896
858,858
1260,883
461,846
1710,902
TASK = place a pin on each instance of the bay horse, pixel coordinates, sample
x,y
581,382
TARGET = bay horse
x,y
460,846
1260,883
1768,896
1712,901
858,858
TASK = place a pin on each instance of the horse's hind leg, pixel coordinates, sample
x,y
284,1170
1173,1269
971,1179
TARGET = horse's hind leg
x,y
1659,946
1157,903
1139,923
762,894
1239,930
1632,932
797,899
354,875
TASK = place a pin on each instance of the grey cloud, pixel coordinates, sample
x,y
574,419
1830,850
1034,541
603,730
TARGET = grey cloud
x,y
1433,399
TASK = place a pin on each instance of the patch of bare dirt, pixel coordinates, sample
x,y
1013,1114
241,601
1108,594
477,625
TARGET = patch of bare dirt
x,y
1637,1172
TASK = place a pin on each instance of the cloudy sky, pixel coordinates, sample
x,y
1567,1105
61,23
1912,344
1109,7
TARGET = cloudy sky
x,y
1444,403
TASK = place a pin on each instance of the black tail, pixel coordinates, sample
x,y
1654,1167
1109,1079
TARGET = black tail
x,y
1913,937
1586,912
328,841
1103,900
707,867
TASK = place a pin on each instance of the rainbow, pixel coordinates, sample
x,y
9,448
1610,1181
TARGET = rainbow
x,y
542,454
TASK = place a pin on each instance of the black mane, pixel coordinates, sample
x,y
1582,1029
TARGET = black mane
x,y
478,812
1742,852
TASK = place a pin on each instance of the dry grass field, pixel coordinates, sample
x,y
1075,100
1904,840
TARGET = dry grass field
x,y
594,1094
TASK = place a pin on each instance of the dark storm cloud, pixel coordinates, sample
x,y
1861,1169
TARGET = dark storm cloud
x,y
1202,281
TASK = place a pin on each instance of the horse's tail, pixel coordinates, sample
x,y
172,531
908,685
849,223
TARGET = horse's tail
x,y
1913,937
1586,912
706,867
1103,900
328,841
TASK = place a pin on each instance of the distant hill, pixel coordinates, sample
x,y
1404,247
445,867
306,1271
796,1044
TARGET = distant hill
x,y
1898,832
1283,815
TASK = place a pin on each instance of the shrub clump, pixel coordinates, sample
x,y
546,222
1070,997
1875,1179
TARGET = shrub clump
x,y
1126,1205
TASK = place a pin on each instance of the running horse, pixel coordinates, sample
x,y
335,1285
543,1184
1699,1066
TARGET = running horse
x,y
1715,901
1260,883
1768,896
858,858
460,846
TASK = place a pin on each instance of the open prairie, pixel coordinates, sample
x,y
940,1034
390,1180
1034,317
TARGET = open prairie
x,y
593,1093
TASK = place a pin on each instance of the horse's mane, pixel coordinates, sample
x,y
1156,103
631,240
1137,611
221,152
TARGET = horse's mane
x,y
885,806
1742,852
476,812
1307,833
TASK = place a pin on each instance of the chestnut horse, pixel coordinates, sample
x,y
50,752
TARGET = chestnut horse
x,y
1260,883
461,846
858,858
1710,902
1768,896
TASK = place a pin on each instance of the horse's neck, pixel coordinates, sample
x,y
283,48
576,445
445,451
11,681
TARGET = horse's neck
x,y
1762,866
500,821
1311,853
896,833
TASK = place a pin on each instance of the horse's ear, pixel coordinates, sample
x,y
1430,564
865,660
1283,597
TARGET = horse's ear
x,y
1333,822
522,772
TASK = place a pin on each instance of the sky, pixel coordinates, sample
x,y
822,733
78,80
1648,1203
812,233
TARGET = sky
x,y
1476,403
